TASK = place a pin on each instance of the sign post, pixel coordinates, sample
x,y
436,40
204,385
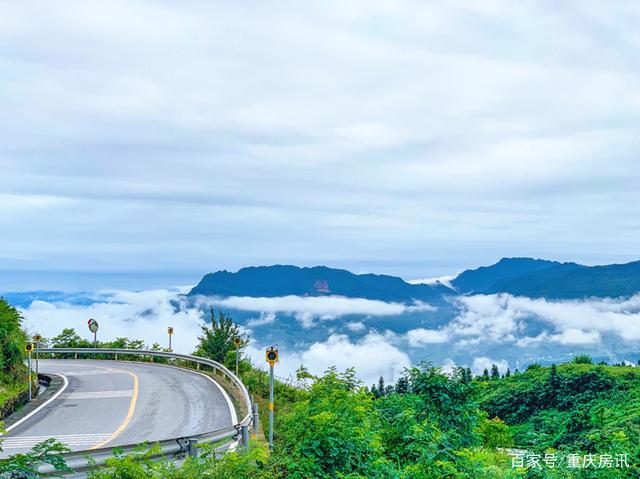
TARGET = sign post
x,y
28,348
36,339
170,331
272,359
93,327
238,342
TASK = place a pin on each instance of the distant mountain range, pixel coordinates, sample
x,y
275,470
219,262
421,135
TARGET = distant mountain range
x,y
517,276
274,281
549,279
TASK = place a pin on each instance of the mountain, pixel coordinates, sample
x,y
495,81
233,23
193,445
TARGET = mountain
x,y
575,282
279,280
552,280
535,278
486,278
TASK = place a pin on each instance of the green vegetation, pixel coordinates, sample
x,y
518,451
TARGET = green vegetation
x,y
573,408
216,341
23,466
436,425
583,359
13,373
12,341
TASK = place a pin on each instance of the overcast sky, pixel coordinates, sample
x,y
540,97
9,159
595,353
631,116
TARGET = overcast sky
x,y
416,138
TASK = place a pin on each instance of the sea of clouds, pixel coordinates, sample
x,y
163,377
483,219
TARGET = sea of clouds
x,y
493,321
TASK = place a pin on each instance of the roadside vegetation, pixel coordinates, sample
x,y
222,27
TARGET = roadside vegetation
x,y
430,424
13,373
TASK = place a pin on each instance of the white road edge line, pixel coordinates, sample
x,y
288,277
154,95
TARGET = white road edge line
x,y
39,408
234,415
232,410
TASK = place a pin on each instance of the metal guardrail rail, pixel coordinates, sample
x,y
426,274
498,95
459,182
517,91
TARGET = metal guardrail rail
x,y
81,461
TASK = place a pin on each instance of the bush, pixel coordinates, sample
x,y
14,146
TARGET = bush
x,y
583,359
12,343
331,432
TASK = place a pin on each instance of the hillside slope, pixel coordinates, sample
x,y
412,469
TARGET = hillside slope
x,y
574,407
536,278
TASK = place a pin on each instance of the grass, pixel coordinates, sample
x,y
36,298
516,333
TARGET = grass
x,y
9,393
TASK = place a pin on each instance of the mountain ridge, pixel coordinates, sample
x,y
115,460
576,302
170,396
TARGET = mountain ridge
x,y
284,280
517,276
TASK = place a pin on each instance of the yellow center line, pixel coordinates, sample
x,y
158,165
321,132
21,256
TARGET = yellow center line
x,y
127,419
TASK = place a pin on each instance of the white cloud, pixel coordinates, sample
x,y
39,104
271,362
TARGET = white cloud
x,y
372,356
356,326
309,309
420,337
147,314
328,133
443,280
501,317
264,319
568,337
487,317
448,365
376,135
142,315
481,363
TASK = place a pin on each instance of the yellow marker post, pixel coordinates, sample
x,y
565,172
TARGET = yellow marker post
x,y
272,359
238,342
29,348
36,339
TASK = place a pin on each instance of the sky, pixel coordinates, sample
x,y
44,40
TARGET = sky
x,y
412,138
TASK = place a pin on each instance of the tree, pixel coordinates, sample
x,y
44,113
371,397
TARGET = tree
x,y
402,386
447,398
217,340
495,372
331,433
381,388
494,433
508,373
68,338
12,341
583,359
469,374
485,374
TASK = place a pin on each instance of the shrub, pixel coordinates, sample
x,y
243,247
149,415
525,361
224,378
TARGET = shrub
x,y
583,359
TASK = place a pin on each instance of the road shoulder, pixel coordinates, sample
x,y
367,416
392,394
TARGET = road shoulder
x,y
57,385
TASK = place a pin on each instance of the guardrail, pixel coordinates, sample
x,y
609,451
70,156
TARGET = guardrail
x,y
81,461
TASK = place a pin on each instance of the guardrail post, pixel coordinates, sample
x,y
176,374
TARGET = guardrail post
x,y
116,355
256,420
193,447
76,356
245,437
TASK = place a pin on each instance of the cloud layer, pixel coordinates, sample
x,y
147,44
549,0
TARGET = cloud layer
x,y
142,315
147,314
484,330
515,325
372,356
309,309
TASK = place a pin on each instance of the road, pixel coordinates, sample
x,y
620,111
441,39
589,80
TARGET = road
x,y
110,403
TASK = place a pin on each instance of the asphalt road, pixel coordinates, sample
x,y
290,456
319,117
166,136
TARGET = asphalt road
x,y
110,403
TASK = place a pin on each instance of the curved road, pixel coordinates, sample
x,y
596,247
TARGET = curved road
x,y
110,403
